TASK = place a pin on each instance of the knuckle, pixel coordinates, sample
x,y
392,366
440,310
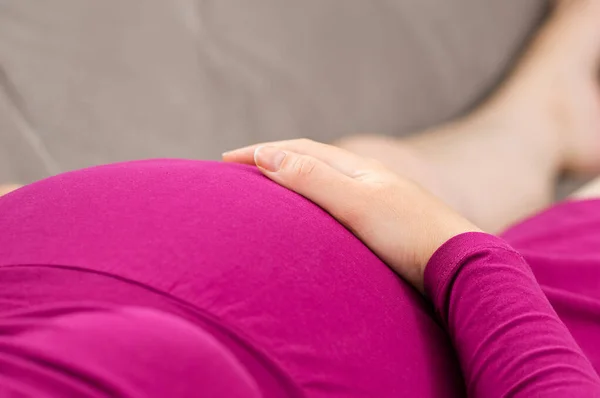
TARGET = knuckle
x,y
302,166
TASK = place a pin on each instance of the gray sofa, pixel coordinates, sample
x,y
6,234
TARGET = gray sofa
x,y
84,82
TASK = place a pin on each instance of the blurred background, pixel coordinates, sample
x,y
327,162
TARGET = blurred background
x,y
84,82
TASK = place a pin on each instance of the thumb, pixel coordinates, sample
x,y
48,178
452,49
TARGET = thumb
x,y
335,192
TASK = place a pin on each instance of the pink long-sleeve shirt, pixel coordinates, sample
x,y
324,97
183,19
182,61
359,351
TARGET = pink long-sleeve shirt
x,y
509,340
187,278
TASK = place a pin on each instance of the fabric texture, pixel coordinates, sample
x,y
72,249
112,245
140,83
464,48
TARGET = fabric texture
x,y
509,340
275,286
221,240
94,351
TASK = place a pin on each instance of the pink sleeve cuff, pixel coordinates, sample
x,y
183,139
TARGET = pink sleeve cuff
x,y
446,262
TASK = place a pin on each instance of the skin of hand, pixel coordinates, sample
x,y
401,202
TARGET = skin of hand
x,y
398,220
4,189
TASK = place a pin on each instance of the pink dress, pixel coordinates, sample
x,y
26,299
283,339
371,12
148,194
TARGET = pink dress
x,y
187,278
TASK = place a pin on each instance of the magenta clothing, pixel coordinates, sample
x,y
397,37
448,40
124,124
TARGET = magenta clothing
x,y
509,340
187,278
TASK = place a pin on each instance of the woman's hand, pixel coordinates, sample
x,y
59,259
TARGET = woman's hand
x,y
401,222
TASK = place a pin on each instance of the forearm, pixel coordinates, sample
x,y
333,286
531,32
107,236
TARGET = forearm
x,y
509,340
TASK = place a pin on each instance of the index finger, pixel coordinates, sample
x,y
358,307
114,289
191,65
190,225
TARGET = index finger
x,y
340,159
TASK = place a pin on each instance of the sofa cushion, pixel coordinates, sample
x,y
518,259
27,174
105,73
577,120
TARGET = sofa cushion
x,y
84,82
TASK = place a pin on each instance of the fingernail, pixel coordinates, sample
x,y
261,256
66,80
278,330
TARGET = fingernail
x,y
269,158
